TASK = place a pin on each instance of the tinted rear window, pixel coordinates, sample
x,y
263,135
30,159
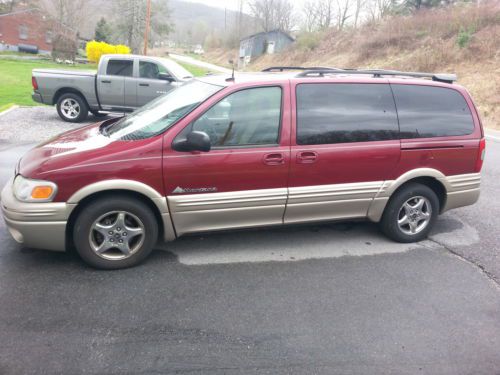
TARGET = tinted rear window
x,y
340,112
426,111
120,68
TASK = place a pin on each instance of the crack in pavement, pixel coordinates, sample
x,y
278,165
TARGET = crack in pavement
x,y
453,252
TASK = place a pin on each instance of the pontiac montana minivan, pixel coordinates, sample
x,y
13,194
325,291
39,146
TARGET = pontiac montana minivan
x,y
258,149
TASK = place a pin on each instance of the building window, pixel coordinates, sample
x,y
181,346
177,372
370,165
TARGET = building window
x,y
23,32
48,37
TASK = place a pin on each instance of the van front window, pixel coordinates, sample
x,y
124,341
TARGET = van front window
x,y
163,112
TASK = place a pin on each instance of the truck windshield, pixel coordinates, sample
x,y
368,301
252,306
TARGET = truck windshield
x,y
161,113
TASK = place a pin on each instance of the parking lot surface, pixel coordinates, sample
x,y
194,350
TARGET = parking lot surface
x,y
314,299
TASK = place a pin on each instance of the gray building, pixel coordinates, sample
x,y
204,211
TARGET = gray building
x,y
258,44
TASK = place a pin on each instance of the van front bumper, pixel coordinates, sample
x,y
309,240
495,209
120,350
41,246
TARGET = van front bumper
x,y
35,225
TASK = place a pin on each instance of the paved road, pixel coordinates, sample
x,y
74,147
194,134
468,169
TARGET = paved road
x,y
202,64
317,299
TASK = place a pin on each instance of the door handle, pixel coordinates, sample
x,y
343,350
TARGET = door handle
x,y
106,81
144,84
274,159
306,157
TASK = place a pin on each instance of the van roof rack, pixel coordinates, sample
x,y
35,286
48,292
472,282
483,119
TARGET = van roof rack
x,y
377,73
283,68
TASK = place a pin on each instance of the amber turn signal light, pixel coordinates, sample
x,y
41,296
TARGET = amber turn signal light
x,y
42,192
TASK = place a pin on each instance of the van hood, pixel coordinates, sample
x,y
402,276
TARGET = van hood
x,y
74,148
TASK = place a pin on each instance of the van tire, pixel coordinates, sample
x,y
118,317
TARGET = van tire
x,y
100,226
72,107
397,225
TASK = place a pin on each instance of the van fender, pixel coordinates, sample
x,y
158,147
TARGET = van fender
x,y
135,186
376,209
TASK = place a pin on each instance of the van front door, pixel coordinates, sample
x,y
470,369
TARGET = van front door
x,y
241,181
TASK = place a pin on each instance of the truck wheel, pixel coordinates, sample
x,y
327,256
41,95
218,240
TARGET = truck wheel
x,y
72,108
115,233
410,213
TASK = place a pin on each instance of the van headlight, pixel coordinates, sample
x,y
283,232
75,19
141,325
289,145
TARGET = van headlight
x,y
28,190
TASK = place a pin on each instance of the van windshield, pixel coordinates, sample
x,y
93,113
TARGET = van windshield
x,y
161,113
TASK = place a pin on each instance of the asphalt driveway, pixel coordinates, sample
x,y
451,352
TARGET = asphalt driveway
x,y
315,299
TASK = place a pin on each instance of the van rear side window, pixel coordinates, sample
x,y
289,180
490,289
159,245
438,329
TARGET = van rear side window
x,y
428,111
345,112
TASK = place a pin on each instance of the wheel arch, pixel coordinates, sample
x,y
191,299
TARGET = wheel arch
x,y
68,90
128,188
433,183
429,177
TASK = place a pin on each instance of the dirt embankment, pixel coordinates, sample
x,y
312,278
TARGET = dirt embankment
x,y
461,39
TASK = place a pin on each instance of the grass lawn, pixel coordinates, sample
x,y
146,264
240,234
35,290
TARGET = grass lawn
x,y
193,69
15,79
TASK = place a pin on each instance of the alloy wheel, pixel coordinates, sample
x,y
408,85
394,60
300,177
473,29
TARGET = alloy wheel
x,y
117,235
414,215
70,108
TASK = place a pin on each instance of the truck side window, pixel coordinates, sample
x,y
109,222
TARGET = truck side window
x,y
345,112
150,70
123,68
427,111
244,118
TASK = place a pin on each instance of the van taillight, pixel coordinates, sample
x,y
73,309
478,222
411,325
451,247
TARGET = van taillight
x,y
34,83
480,155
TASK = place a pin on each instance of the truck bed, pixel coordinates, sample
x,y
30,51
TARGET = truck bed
x,y
53,81
67,72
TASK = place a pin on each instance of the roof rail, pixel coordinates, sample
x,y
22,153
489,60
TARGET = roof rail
x,y
440,77
283,68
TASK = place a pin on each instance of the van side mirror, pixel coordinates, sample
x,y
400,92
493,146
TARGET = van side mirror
x,y
194,141
166,77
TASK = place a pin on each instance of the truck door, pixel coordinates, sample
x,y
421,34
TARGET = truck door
x,y
111,84
149,84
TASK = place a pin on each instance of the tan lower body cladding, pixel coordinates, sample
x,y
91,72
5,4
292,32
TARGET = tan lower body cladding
x,y
252,208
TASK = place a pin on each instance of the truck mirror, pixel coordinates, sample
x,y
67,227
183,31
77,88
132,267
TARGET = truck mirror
x,y
166,77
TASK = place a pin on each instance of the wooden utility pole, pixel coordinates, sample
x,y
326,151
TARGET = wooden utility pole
x,y
146,30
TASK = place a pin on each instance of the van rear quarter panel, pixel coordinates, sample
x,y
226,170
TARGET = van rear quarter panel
x,y
450,155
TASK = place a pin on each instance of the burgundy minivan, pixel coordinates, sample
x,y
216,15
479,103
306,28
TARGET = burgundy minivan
x,y
255,150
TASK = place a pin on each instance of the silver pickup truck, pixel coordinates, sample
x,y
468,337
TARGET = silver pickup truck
x,y
122,83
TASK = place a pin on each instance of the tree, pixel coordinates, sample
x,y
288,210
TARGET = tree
x,y
7,6
360,4
378,9
273,14
343,13
322,14
102,31
72,13
131,21
161,24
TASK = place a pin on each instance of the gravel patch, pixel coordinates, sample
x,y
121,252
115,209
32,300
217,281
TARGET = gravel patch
x,y
35,124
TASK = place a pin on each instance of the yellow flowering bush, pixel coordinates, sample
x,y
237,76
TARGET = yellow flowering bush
x,y
96,49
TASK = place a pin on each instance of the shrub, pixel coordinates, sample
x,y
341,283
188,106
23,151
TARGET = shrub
x,y
63,48
309,41
96,49
464,37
